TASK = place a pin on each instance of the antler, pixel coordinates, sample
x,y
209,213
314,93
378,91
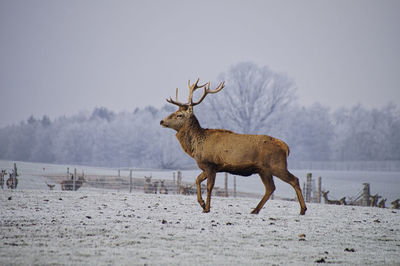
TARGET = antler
x,y
192,88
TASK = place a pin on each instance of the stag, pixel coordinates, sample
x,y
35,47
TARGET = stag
x,y
219,150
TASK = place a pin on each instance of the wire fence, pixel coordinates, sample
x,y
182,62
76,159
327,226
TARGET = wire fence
x,y
60,177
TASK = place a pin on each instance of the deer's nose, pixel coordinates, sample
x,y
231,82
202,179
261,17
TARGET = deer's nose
x,y
161,122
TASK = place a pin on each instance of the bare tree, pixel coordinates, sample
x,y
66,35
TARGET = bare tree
x,y
254,96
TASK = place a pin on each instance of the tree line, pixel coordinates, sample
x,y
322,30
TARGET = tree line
x,y
256,100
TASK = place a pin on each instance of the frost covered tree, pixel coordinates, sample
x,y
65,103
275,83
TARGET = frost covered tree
x,y
252,96
363,134
309,132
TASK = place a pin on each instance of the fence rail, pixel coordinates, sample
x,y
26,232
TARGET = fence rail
x,y
37,176
387,166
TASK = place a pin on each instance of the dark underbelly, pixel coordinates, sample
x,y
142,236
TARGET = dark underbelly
x,y
243,171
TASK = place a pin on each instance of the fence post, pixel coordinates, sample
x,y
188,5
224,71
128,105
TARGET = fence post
x,y
308,187
366,195
319,189
226,184
74,180
130,181
14,177
234,186
179,182
119,173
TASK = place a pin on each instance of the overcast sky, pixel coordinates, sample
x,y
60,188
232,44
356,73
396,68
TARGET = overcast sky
x,y
61,57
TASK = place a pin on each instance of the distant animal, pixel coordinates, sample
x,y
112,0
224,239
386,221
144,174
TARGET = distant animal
x,y
69,184
163,188
220,192
149,187
186,190
374,200
12,182
2,175
219,150
155,187
51,186
381,204
395,204
342,201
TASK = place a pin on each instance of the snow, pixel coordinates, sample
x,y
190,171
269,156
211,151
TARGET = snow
x,y
100,227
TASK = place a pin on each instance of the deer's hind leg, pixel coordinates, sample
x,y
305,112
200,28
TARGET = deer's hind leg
x,y
289,178
268,182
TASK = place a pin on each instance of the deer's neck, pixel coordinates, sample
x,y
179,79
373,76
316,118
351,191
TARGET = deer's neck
x,y
190,135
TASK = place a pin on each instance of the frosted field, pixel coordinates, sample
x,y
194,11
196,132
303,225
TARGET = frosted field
x,y
98,227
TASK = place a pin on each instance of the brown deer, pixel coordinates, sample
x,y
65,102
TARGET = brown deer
x,y
342,201
382,203
395,204
69,183
163,188
219,150
374,200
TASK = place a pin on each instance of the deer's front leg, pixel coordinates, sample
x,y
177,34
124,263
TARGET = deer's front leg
x,y
200,179
210,185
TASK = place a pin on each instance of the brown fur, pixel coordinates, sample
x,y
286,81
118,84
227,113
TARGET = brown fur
x,y
342,201
219,150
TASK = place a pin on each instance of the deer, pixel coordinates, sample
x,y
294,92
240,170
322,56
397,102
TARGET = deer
x,y
163,188
382,203
374,200
2,175
395,204
51,186
69,183
220,150
342,201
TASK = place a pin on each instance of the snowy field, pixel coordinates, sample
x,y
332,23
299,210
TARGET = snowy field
x,y
99,227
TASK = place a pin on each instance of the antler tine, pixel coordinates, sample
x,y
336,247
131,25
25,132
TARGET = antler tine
x,y
192,88
176,102
219,88
207,91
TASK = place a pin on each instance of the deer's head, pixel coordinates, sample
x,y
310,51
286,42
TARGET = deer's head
x,y
185,112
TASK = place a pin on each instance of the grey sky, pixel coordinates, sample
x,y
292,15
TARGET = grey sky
x,y
60,57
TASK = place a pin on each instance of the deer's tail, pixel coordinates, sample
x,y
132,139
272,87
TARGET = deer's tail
x,y
287,151
284,146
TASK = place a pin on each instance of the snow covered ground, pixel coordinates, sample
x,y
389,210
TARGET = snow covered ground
x,y
99,227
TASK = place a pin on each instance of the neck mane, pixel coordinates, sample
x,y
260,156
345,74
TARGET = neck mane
x,y
190,135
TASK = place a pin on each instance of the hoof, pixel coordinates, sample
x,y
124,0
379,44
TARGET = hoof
x,y
302,212
202,205
255,211
206,211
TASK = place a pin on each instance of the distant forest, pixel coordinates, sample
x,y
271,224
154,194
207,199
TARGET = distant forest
x,y
255,100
